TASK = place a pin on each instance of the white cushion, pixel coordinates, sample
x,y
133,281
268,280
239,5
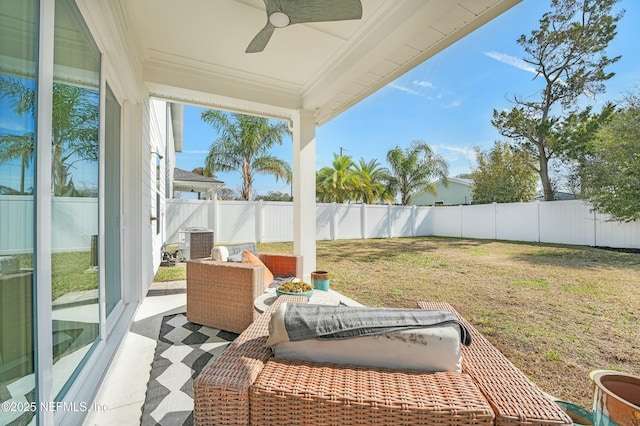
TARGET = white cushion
x,y
219,253
427,349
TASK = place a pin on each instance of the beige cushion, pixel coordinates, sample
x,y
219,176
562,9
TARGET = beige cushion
x,y
427,349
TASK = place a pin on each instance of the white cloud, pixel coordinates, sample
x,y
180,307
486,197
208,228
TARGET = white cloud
x,y
423,83
15,127
511,60
425,89
453,153
455,104
405,89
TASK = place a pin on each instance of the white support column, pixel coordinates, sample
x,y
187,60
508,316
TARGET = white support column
x,y
304,189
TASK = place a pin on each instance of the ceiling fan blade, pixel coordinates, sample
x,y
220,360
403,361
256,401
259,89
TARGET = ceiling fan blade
x,y
261,39
301,11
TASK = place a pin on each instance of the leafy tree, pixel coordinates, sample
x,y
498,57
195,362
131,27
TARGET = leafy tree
x,y
372,182
338,183
568,53
503,175
575,143
74,130
275,196
202,172
228,194
611,174
244,145
413,169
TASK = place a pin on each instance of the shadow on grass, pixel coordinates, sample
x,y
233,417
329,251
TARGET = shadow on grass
x,y
388,249
578,257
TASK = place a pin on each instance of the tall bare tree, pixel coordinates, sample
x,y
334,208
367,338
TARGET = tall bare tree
x,y
568,53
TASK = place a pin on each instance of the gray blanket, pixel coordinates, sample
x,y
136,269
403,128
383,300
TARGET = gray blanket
x,y
343,322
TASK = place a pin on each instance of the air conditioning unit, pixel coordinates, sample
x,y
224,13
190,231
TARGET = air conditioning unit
x,y
195,243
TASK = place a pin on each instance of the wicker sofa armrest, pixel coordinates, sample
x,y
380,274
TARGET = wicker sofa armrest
x,y
221,294
221,391
283,264
514,398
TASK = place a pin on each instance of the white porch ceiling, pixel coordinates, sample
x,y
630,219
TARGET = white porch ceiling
x,y
194,51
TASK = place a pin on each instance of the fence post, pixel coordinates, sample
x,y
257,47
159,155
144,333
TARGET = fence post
x,y
538,214
414,230
363,221
595,228
259,220
214,214
389,221
495,221
333,221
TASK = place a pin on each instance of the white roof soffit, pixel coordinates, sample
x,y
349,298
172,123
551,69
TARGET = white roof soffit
x,y
194,51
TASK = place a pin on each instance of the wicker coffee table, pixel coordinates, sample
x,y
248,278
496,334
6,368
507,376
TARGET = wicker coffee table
x,y
319,297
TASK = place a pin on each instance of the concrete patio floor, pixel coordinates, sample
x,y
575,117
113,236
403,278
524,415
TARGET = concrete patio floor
x,y
123,390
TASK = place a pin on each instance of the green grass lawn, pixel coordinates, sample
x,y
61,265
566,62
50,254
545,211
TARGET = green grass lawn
x,y
557,312
70,272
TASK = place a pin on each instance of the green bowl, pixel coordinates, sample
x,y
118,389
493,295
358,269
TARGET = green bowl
x,y
579,415
307,294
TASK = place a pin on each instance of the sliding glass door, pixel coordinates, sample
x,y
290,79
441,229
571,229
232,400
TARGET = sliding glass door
x,y
18,50
60,205
112,204
75,261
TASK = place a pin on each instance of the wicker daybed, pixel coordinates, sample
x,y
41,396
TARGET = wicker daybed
x,y
246,385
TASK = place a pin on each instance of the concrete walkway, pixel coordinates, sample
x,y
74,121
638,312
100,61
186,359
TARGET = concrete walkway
x,y
123,390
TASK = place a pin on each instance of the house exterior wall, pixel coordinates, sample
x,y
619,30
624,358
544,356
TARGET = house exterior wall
x,y
453,194
143,130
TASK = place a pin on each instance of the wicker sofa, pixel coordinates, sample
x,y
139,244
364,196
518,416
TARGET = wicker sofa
x,y
221,294
246,385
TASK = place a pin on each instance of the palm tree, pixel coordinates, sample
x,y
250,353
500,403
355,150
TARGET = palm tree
x,y
244,145
337,183
74,129
373,182
202,172
13,146
22,100
413,169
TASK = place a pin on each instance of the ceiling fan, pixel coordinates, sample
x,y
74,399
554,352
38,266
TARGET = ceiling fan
x,y
282,13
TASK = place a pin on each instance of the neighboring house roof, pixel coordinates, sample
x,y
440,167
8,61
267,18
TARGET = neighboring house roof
x,y
559,196
192,182
467,182
456,191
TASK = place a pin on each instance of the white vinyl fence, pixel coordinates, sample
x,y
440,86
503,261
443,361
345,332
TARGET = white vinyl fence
x,y
563,222
74,221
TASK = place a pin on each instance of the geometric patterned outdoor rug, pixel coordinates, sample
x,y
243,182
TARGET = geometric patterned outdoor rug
x,y
183,350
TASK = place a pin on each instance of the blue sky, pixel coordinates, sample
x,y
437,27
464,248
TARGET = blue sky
x,y
447,101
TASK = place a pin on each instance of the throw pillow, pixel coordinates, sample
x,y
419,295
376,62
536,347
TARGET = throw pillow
x,y
255,260
219,253
235,258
